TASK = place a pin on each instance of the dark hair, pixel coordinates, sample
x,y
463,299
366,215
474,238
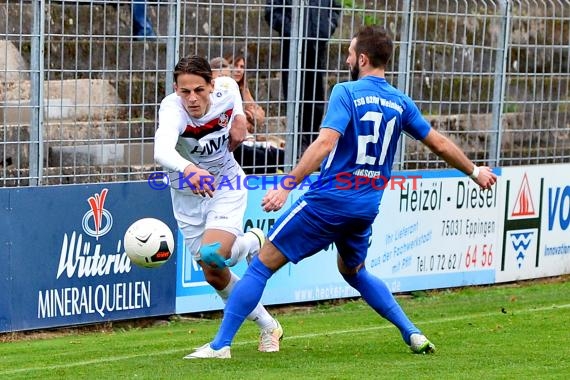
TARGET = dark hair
x,y
376,43
193,64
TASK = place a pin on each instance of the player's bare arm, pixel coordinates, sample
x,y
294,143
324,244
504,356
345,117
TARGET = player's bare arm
x,y
274,199
450,152
238,131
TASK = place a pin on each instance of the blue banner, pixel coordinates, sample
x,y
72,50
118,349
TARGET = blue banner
x,y
66,259
5,283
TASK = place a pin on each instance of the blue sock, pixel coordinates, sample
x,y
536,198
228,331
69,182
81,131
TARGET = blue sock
x,y
375,292
244,297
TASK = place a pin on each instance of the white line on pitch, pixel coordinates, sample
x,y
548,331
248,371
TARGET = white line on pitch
x,y
295,337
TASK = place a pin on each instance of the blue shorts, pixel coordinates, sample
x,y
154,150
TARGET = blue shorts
x,y
303,231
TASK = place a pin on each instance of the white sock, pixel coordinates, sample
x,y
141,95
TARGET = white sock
x,y
259,315
242,246
262,318
225,292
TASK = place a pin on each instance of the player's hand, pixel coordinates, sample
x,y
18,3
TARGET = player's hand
x,y
199,180
486,177
237,132
274,199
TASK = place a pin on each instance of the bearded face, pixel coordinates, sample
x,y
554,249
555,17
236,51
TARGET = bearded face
x,y
354,72
352,61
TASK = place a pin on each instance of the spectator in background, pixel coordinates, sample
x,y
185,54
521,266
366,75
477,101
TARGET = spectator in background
x,y
253,112
220,67
142,27
321,19
255,157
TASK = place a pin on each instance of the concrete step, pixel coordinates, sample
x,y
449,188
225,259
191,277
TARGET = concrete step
x,y
141,80
71,132
80,174
109,99
241,26
89,143
113,154
74,30
65,136
240,18
75,99
81,57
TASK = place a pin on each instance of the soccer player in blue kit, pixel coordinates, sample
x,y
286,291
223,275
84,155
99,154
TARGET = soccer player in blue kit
x,y
358,136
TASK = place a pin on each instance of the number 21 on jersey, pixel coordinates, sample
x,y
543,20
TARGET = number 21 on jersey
x,y
375,117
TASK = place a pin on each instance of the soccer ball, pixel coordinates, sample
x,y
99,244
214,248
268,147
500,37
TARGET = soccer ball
x,y
149,243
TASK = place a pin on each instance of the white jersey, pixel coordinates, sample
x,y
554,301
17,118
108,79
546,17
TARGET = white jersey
x,y
181,139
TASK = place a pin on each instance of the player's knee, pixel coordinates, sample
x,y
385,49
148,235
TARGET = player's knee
x,y
345,269
350,275
210,255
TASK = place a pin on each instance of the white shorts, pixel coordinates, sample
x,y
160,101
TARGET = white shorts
x,y
195,214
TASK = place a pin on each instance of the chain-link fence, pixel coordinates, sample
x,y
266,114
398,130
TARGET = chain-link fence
x,y
81,80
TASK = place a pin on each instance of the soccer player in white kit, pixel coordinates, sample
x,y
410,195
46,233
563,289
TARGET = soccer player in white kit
x,y
199,126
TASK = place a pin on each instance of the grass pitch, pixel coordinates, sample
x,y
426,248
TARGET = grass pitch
x,y
516,331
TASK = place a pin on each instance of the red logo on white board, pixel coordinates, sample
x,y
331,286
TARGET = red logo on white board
x,y
524,206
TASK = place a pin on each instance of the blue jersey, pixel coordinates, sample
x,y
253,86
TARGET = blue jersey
x,y
370,115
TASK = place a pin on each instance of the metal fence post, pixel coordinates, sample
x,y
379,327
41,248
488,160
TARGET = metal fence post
x,y
36,157
404,67
172,44
294,84
499,82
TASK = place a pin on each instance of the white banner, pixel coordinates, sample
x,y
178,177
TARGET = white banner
x,y
439,230
435,229
535,222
